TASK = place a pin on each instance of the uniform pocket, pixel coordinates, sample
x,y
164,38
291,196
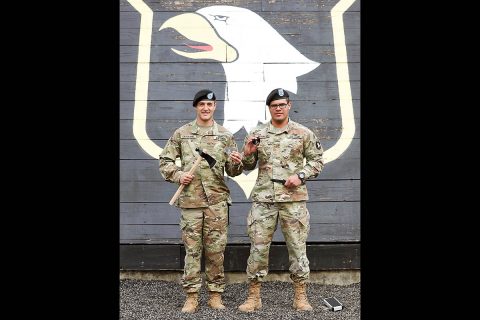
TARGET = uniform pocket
x,y
305,220
183,224
304,225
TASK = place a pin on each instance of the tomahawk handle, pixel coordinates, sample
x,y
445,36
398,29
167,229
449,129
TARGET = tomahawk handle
x,y
175,196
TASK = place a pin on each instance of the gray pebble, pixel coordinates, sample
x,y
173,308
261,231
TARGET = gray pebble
x,y
158,299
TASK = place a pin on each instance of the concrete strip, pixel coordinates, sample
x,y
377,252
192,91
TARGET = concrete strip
x,y
336,277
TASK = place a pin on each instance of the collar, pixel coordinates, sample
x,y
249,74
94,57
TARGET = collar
x,y
195,127
276,130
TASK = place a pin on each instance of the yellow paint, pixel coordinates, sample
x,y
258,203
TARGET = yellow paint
x,y
344,90
143,75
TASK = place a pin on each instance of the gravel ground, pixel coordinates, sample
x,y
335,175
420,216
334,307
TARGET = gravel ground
x,y
158,299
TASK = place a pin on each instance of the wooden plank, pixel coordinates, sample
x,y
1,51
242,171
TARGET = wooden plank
x,y
236,257
323,54
254,5
154,234
149,234
183,110
335,256
319,190
296,39
129,19
183,71
304,5
170,91
299,28
171,257
342,168
304,26
192,5
148,213
163,129
162,213
308,22
130,149
157,191
148,257
346,167
129,37
325,129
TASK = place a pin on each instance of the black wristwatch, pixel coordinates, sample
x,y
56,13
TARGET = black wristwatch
x,y
301,176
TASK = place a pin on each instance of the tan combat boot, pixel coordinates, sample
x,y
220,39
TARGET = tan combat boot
x,y
215,301
253,302
300,302
191,304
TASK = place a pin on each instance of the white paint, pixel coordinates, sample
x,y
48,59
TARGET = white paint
x,y
263,62
262,51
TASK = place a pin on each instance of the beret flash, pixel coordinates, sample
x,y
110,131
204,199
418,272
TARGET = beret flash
x,y
277,94
203,94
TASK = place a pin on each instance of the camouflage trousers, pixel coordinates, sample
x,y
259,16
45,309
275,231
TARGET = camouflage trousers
x,y
204,229
262,223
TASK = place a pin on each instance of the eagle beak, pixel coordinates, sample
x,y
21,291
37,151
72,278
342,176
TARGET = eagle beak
x,y
196,28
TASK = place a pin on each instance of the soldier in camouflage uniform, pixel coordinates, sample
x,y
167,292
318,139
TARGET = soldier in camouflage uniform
x,y
280,155
205,199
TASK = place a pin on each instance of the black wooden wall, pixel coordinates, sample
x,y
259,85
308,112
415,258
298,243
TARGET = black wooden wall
x,y
149,232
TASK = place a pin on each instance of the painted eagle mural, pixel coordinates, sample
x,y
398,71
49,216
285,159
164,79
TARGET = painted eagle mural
x,y
255,59
254,56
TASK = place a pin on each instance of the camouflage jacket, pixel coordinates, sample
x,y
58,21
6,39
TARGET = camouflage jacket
x,y
208,187
280,154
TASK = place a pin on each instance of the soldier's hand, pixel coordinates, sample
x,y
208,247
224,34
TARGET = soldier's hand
x,y
249,147
236,157
293,181
186,178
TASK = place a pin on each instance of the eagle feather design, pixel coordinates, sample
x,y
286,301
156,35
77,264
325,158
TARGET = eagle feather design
x,y
254,56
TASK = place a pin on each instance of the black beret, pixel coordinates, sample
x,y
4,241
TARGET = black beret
x,y
204,94
277,94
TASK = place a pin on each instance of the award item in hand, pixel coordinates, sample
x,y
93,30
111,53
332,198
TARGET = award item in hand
x,y
282,181
211,162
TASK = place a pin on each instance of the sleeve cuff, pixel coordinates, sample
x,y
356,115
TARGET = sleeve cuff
x,y
249,159
177,175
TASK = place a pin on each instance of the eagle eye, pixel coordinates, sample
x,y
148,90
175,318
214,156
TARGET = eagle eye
x,y
220,18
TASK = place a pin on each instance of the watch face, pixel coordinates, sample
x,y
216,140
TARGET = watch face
x,y
301,175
